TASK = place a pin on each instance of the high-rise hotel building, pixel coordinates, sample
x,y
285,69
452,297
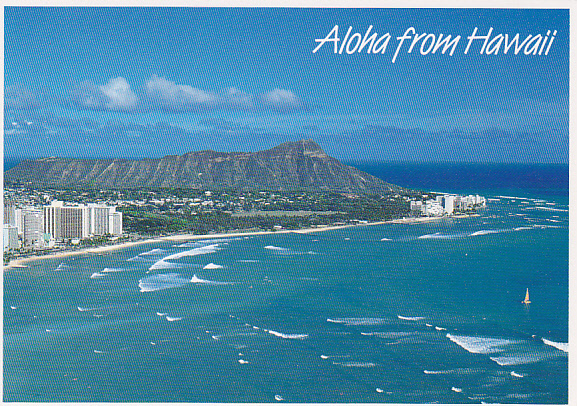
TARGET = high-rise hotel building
x,y
81,221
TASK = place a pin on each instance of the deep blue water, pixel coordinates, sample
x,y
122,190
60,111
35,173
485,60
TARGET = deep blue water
x,y
405,313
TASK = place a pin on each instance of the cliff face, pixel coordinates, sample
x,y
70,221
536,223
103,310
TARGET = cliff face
x,y
300,165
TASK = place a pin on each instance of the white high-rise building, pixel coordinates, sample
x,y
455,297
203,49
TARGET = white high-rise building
x,y
449,203
10,237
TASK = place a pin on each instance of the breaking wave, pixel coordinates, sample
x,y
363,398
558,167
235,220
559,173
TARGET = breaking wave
x,y
164,264
516,360
289,336
546,209
358,321
484,232
513,373
560,346
272,247
410,318
97,275
161,281
173,318
356,364
213,266
196,279
108,270
480,345
156,251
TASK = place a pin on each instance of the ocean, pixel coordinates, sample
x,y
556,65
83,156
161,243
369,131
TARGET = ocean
x,y
394,313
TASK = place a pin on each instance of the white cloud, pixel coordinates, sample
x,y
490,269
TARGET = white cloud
x,y
237,98
168,95
281,99
118,95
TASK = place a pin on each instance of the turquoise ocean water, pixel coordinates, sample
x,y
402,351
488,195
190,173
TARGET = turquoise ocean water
x,y
392,313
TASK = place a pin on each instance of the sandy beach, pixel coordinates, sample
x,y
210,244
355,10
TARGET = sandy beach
x,y
20,262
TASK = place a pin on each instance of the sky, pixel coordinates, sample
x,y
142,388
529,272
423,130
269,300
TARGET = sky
x,y
150,82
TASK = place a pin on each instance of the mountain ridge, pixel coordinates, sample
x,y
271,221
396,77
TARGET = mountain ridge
x,y
300,165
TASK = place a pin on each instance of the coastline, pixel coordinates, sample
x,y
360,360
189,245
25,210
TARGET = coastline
x,y
19,263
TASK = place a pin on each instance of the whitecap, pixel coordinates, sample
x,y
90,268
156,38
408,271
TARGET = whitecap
x,y
358,321
13,307
410,318
522,228
83,309
379,390
546,209
161,281
173,318
484,232
213,266
242,361
480,345
289,336
440,328
97,275
163,263
250,261
272,247
196,279
161,314
386,239
513,373
61,266
278,398
155,251
356,364
324,356
560,346
98,352
512,360
108,270
458,390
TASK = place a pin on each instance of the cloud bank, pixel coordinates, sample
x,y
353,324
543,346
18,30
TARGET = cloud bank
x,y
161,94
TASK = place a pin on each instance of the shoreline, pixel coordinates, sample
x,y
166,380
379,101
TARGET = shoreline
x,y
19,263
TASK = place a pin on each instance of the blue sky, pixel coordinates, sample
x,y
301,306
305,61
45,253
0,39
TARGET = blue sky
x,y
149,82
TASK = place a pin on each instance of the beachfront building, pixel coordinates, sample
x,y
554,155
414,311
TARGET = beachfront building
x,y
10,237
446,204
78,222
31,223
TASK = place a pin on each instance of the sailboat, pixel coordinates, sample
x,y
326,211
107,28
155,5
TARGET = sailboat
x,y
526,301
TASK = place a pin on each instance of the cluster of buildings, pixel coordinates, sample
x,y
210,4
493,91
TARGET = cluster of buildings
x,y
446,205
37,228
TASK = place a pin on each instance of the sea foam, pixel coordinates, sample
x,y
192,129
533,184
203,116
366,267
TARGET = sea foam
x,y
272,247
484,232
212,266
358,321
161,281
410,318
108,270
560,346
96,275
480,345
289,336
196,279
356,364
155,251
163,263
